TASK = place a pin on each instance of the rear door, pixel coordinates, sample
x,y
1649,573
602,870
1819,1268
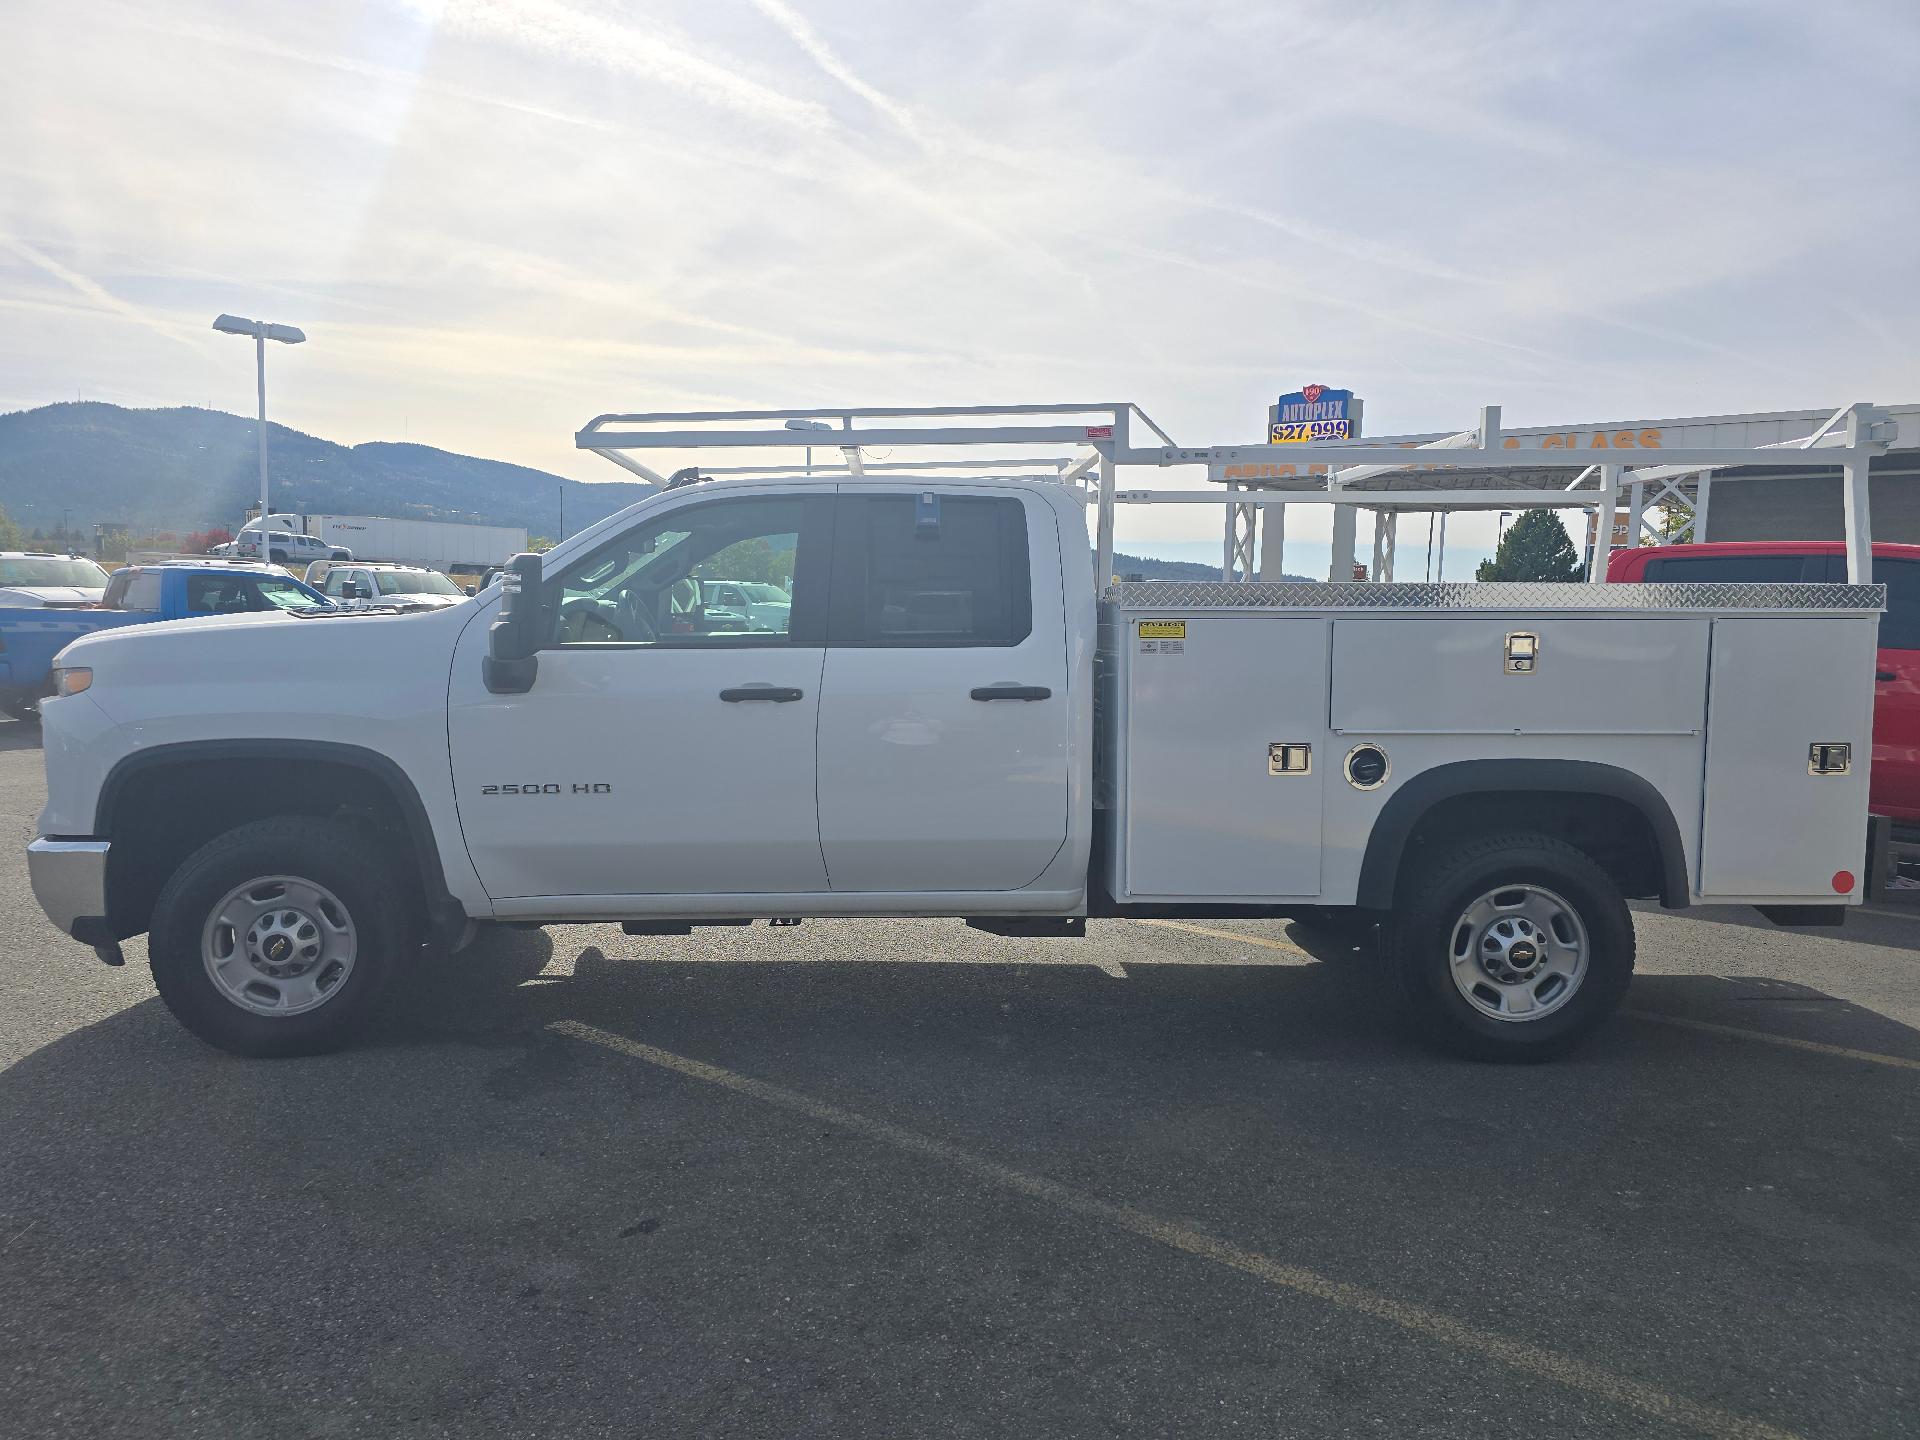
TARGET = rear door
x,y
943,749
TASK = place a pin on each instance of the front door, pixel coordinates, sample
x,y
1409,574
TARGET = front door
x,y
660,750
944,710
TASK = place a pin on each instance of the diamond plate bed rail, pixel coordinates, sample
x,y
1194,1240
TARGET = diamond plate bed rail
x,y
1491,595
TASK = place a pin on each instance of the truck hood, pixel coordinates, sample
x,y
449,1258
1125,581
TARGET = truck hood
x,y
43,595
268,674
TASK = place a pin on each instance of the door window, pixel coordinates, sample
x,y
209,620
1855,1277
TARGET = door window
x,y
1900,625
655,585
931,569
1736,569
213,594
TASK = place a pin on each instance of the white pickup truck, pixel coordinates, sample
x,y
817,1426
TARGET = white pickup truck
x,y
953,719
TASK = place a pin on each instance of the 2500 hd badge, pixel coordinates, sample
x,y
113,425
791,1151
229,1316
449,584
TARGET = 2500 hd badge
x,y
552,787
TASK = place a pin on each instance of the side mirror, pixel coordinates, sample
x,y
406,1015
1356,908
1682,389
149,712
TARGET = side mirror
x,y
515,636
354,590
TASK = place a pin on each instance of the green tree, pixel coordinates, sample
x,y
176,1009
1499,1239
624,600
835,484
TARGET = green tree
x,y
1535,547
11,536
752,559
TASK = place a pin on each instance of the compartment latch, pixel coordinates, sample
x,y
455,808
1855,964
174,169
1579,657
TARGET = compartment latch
x,y
1523,652
1289,757
1829,757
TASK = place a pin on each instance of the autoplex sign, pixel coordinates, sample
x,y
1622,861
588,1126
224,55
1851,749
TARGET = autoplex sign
x,y
1313,412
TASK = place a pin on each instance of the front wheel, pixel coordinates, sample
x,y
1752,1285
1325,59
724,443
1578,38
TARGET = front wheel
x,y
277,937
1513,947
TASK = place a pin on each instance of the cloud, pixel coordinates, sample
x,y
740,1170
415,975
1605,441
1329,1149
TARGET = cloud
x,y
100,297
563,32
817,50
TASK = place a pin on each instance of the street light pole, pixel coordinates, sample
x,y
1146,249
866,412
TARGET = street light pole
x,y
261,331
260,378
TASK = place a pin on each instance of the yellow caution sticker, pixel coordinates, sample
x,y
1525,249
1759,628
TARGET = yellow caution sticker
x,y
1163,629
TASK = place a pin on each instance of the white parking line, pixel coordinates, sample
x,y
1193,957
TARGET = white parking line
x,y
1897,1062
1258,941
1520,1355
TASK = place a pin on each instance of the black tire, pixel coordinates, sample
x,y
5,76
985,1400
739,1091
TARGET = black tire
x,y
24,709
331,854
277,557
1419,935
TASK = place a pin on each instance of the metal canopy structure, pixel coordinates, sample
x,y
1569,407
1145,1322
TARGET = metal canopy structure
x,y
1084,446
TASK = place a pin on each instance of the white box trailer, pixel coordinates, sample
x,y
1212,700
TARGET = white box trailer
x,y
444,545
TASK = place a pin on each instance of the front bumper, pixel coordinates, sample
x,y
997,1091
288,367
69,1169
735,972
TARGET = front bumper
x,y
70,881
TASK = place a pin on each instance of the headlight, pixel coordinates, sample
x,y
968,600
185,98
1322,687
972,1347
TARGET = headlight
x,y
71,679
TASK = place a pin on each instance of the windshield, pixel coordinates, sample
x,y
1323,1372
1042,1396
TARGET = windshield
x,y
762,594
53,570
415,582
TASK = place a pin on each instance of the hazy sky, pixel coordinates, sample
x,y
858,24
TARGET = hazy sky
x,y
497,218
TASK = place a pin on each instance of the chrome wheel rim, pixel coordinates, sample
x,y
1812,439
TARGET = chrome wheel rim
x,y
279,945
1518,953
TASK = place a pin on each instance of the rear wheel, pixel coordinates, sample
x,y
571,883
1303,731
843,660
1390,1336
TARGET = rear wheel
x,y
23,707
277,937
1513,947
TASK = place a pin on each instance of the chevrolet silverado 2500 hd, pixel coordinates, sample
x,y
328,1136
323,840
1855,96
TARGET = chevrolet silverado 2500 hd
x,y
952,719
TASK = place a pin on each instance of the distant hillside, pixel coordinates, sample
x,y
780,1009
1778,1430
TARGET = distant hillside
x,y
188,469
1146,567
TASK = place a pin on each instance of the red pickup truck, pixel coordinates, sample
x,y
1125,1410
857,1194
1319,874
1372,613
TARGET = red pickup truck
x,y
1896,704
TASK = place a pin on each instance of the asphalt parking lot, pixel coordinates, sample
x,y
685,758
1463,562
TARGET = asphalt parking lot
x,y
898,1178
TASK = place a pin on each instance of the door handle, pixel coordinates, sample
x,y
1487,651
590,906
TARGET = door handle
x,y
1885,675
1012,692
778,694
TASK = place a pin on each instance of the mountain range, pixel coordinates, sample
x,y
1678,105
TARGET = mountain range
x,y
188,469
79,464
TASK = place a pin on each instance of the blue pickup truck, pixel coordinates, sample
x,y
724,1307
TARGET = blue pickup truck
x,y
136,595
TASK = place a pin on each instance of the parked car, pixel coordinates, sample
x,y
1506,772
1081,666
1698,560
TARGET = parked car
x,y
358,584
32,637
756,604
284,547
1895,787
35,577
